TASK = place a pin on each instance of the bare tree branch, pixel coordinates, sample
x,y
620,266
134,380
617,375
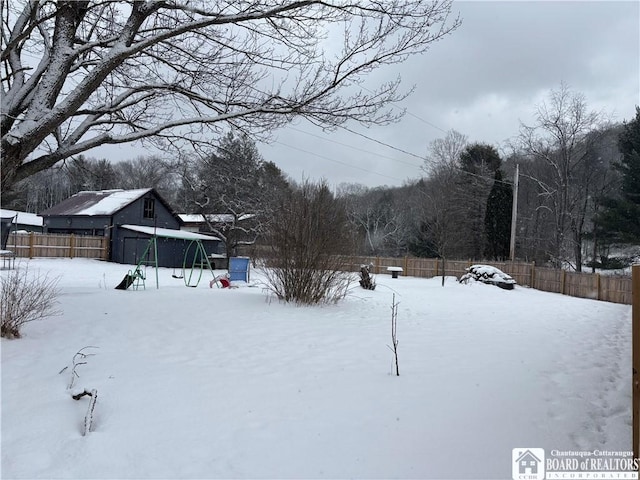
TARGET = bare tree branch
x,y
179,73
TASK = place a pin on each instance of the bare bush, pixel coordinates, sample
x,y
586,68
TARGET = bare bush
x,y
306,236
25,297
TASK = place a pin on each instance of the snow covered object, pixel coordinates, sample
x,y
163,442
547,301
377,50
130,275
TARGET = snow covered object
x,y
490,275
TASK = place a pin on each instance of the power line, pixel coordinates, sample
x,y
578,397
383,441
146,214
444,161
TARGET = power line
x,y
426,121
357,148
383,143
412,114
337,161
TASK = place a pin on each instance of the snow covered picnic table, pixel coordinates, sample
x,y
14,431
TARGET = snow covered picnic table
x,y
394,271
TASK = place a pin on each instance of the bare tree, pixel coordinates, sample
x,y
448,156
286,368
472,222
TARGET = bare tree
x,y
40,191
437,201
81,74
372,214
147,172
558,138
381,218
438,228
446,151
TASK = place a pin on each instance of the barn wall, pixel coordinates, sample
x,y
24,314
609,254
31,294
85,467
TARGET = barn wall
x,y
78,225
130,247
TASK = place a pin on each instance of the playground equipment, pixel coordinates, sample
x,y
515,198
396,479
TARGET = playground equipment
x,y
221,281
137,276
199,260
195,253
134,277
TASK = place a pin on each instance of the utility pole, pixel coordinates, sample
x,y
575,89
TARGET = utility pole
x,y
514,214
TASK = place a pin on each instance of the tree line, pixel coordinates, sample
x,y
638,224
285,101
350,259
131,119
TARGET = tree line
x,y
578,193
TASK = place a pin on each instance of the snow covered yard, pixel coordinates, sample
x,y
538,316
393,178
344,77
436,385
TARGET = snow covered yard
x,y
219,383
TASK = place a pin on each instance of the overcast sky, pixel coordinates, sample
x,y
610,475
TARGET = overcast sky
x,y
482,81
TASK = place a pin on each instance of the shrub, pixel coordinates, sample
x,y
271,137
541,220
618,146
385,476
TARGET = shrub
x,y
366,281
307,234
25,298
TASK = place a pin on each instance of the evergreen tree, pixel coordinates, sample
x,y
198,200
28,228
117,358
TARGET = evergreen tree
x,y
479,158
620,220
497,220
480,161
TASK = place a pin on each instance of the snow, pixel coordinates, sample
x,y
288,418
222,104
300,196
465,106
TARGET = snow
x,y
232,383
113,201
169,233
487,274
213,217
23,218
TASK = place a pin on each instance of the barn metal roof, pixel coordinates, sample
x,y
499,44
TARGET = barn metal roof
x,y
103,202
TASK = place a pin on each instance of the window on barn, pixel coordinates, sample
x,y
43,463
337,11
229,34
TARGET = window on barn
x,y
149,208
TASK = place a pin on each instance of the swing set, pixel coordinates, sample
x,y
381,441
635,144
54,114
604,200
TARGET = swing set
x,y
195,258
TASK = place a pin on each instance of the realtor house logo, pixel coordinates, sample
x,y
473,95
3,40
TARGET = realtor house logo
x,y
527,463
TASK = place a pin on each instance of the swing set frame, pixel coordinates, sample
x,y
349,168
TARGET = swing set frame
x,y
199,261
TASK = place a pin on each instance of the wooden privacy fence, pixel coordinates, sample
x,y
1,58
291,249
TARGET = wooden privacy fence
x,y
52,245
615,289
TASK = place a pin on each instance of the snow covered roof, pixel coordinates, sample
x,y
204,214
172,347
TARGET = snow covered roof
x,y
103,202
168,233
23,218
212,217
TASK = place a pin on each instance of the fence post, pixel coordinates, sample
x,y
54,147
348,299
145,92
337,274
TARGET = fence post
x,y
435,260
635,357
598,286
72,244
406,266
563,279
31,237
533,275
377,265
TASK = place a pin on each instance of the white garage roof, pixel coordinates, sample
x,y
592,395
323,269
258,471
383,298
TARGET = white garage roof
x,y
168,233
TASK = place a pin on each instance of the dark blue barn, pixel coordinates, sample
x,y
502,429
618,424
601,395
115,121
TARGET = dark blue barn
x,y
129,218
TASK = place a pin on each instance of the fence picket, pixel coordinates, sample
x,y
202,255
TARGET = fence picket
x,y
55,245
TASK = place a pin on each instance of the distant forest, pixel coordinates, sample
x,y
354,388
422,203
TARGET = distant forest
x,y
578,192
